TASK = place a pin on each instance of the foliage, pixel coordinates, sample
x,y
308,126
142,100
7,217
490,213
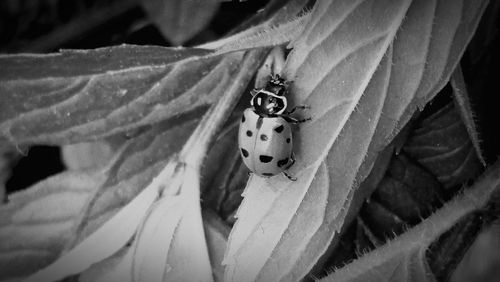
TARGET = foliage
x,y
369,162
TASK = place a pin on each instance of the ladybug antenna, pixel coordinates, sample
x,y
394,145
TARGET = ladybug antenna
x,y
277,80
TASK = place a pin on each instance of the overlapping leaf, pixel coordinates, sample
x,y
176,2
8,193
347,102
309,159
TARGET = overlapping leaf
x,y
36,224
364,67
137,166
116,268
73,96
441,145
404,258
461,97
141,158
79,212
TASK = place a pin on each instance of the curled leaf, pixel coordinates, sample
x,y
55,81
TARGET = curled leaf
x,y
150,261
404,258
461,97
442,145
179,179
99,245
364,67
48,210
80,95
216,232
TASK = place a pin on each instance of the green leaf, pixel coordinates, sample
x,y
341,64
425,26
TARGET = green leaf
x,y
285,25
461,98
163,223
224,174
404,258
82,95
142,163
442,145
138,161
90,154
266,34
216,233
180,20
8,157
117,268
364,67
36,223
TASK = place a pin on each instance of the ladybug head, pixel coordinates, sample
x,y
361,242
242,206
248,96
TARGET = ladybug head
x,y
268,103
276,85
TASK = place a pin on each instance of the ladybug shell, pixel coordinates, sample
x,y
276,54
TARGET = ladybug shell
x,y
265,143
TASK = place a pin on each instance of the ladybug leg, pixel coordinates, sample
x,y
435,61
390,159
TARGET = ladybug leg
x,y
295,120
290,163
301,107
291,178
253,92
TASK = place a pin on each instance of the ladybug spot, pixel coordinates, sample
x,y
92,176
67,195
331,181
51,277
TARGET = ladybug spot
x,y
268,174
282,162
249,133
265,159
244,152
242,118
288,140
263,137
279,129
259,122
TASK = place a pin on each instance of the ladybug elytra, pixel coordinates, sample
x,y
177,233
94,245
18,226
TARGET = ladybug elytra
x,y
265,135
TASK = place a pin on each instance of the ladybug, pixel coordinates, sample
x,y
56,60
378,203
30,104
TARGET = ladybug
x,y
265,135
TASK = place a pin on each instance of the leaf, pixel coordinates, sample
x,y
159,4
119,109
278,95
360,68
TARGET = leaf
x,y
87,155
404,258
169,242
8,156
442,146
220,161
271,216
180,20
150,261
462,100
117,268
188,259
126,175
125,180
224,174
137,162
47,210
480,262
185,256
82,95
348,243
216,232
99,245
269,33
363,67
179,179
285,25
